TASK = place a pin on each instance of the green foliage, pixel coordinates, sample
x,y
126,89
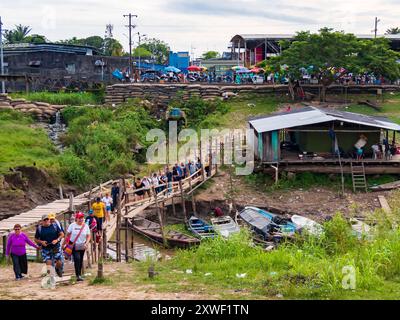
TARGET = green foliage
x,y
198,111
158,48
108,46
210,55
329,55
62,98
307,267
141,52
394,30
101,141
21,143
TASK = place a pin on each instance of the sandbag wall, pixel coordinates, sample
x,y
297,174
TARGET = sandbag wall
x,y
162,94
42,111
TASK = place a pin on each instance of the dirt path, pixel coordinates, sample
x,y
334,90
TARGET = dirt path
x,y
120,289
316,203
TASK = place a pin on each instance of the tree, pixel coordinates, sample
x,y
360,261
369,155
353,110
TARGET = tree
x,y
210,55
112,47
109,46
395,30
159,49
330,55
36,39
142,52
18,34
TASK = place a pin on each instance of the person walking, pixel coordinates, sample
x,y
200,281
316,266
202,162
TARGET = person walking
x,y
147,184
48,236
99,210
54,221
114,195
139,185
107,200
79,235
16,248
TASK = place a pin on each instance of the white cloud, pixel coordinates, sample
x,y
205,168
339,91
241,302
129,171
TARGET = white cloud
x,y
205,24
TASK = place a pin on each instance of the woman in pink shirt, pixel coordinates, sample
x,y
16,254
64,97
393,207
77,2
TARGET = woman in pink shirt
x,y
16,246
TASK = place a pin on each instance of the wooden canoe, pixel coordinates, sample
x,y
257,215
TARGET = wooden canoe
x,y
152,231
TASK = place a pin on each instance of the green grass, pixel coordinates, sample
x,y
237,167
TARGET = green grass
x,y
62,98
309,180
389,108
306,268
23,144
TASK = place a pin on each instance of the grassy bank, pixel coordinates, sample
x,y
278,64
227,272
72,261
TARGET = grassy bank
x,y
21,143
307,268
63,98
102,142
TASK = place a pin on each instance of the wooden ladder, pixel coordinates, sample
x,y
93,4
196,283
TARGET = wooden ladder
x,y
358,176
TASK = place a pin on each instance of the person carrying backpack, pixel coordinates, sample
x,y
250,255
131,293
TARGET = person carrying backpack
x,y
48,236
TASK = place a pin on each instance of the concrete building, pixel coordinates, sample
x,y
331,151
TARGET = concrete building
x,y
254,48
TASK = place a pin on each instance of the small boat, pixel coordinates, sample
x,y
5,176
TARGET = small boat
x,y
225,226
386,186
201,229
312,227
152,230
266,224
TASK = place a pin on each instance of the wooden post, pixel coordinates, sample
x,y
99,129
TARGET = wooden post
x,y
65,222
103,244
61,192
38,255
4,245
132,242
160,217
71,202
192,195
100,259
118,234
126,241
183,202
173,206
95,247
202,163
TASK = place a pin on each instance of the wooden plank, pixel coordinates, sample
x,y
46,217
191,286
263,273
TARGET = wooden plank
x,y
384,204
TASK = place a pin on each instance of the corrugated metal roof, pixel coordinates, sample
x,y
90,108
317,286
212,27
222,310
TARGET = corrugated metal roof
x,y
311,115
291,36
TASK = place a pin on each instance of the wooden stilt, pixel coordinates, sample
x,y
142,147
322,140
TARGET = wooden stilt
x,y
173,206
100,259
118,232
183,202
126,241
160,219
4,246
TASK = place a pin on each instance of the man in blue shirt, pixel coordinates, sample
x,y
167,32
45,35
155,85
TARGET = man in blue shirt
x,y
49,236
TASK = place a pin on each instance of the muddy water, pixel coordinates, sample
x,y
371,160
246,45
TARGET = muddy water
x,y
137,244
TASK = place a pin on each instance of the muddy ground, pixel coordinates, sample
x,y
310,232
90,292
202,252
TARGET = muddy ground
x,y
122,289
24,188
317,203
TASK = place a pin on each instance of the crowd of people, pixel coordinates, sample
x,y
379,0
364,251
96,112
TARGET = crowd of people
x,y
163,180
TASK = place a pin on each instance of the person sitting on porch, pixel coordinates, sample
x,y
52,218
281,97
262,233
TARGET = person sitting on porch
x,y
359,145
376,150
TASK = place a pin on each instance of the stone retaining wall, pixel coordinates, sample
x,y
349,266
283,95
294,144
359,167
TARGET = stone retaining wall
x,y
162,94
42,111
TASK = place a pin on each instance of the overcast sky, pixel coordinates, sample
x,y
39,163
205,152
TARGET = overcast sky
x,y
199,24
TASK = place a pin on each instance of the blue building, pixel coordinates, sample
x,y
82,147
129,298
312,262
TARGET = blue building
x,y
180,60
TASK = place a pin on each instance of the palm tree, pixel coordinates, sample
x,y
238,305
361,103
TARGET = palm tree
x,y
393,30
17,35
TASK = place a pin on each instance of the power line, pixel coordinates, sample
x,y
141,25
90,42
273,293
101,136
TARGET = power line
x,y
130,26
3,88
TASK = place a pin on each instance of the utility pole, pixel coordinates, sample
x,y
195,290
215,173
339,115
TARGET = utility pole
x,y
376,26
3,87
130,26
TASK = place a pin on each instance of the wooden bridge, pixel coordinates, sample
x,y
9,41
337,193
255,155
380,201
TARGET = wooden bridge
x,y
128,207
